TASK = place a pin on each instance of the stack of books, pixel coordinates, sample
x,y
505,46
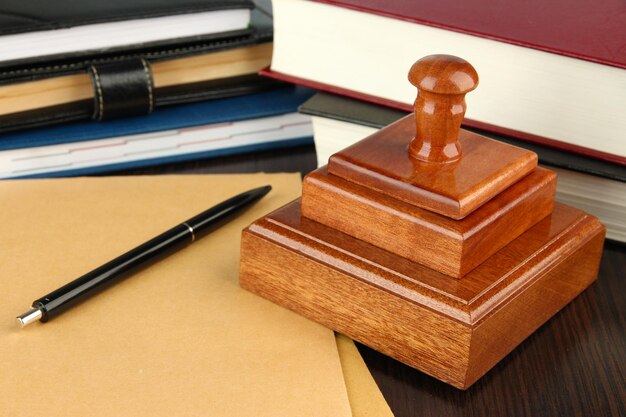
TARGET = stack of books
x,y
543,86
102,87
247,123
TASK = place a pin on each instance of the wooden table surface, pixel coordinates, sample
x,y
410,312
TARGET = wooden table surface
x,y
574,365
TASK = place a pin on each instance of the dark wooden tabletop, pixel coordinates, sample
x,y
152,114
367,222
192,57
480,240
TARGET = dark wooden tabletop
x,y
574,365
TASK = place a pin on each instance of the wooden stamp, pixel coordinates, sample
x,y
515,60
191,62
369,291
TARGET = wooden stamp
x,y
436,246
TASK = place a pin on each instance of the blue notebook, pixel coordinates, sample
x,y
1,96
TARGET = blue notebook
x,y
207,129
280,101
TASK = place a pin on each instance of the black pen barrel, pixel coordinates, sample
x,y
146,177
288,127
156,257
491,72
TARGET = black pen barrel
x,y
140,257
113,271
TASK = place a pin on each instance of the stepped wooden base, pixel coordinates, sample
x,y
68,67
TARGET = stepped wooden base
x,y
453,247
454,330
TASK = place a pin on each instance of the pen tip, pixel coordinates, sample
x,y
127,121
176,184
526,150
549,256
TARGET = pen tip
x,y
29,317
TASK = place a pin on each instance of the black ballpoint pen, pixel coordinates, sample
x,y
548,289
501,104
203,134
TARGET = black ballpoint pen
x,y
49,306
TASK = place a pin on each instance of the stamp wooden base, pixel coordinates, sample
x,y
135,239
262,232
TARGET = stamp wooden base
x,y
434,245
454,330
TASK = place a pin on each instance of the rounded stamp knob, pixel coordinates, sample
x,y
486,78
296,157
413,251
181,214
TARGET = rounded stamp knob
x,y
442,82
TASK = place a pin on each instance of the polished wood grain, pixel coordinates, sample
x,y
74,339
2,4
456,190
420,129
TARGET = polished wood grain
x,y
571,366
442,81
453,247
453,330
381,162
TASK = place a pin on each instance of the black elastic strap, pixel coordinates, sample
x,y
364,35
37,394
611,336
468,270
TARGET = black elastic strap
x,y
124,88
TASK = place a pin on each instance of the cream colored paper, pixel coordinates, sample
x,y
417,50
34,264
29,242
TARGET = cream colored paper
x,y
178,339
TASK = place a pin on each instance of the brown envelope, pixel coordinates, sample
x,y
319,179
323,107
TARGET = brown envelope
x,y
180,338
365,398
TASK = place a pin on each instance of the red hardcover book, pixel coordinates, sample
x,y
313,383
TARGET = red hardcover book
x,y
552,72
583,29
